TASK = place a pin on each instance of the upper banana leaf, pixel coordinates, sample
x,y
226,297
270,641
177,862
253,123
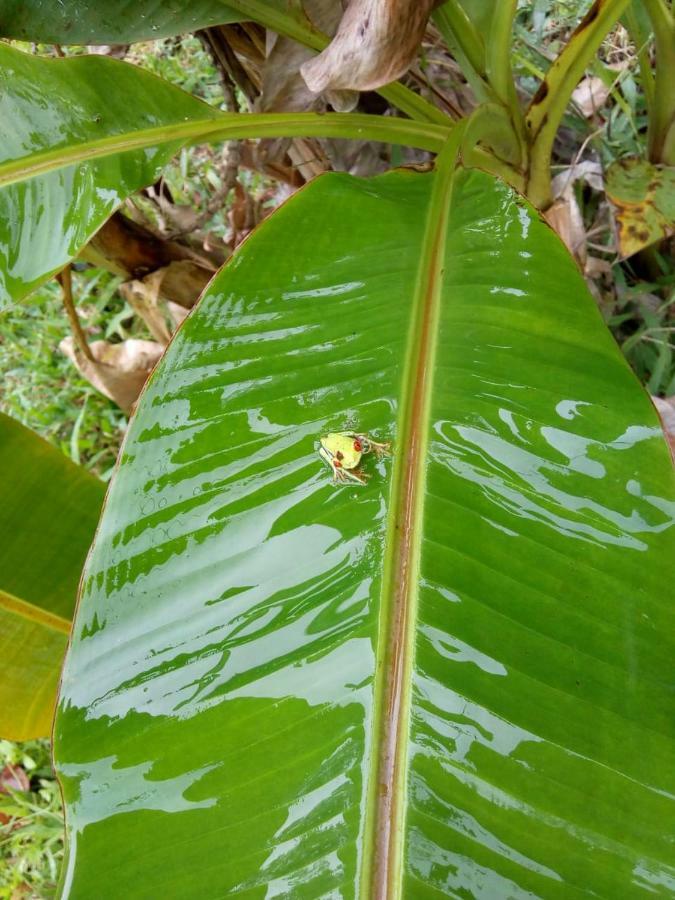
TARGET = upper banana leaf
x,y
78,135
108,22
48,512
452,681
70,153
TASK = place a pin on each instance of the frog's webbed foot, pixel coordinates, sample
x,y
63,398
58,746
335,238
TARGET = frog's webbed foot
x,y
380,449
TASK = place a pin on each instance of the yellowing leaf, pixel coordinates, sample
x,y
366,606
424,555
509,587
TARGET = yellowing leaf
x,y
643,196
48,512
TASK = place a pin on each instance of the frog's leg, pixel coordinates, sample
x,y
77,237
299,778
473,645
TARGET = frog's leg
x,y
357,475
342,476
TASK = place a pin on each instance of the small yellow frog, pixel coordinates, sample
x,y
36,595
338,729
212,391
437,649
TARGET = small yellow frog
x,y
342,452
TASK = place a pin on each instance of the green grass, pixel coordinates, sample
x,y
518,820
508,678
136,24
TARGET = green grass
x,y
42,389
31,843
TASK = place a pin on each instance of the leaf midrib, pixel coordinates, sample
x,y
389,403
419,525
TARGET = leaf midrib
x,y
383,857
31,613
424,135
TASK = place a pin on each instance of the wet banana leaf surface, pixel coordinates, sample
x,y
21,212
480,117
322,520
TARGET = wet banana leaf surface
x,y
111,22
451,680
126,21
73,146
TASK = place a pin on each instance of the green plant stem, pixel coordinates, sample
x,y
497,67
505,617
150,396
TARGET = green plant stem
x,y
66,282
491,124
661,140
641,40
489,71
412,104
498,60
465,42
301,30
500,71
548,106
425,135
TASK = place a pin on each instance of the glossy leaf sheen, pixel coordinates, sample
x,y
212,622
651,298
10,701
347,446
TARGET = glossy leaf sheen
x,y
109,22
223,700
48,512
49,105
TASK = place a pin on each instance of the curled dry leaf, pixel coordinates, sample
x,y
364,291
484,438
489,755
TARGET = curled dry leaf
x,y
565,215
375,43
285,90
283,87
184,280
132,250
119,370
180,282
143,297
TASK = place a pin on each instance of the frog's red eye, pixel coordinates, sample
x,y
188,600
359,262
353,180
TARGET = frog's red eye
x,y
337,463
358,446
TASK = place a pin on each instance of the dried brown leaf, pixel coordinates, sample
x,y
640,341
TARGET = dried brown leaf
x,y
128,248
181,281
178,313
143,297
119,370
565,215
590,95
283,87
666,410
375,43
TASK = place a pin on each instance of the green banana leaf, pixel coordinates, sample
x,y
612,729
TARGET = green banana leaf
x,y
450,681
56,116
79,135
48,513
108,22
